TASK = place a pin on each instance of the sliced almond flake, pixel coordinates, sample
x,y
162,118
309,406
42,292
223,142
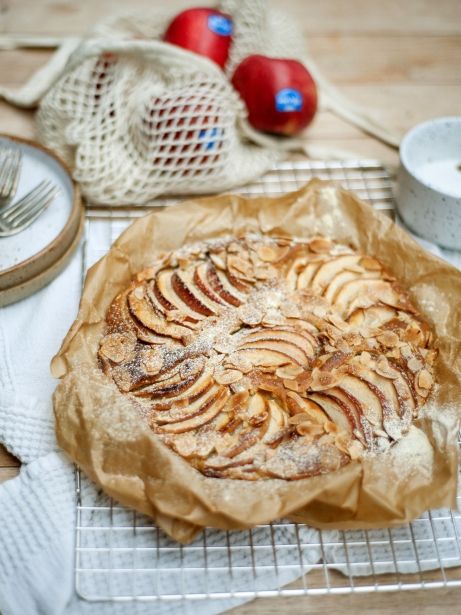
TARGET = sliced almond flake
x,y
425,379
383,368
234,248
152,360
118,347
223,346
389,339
338,322
330,427
291,385
371,264
272,317
250,315
218,261
320,245
264,272
239,264
300,417
139,292
183,262
414,364
227,376
239,361
289,371
309,429
268,254
324,380
290,310
355,449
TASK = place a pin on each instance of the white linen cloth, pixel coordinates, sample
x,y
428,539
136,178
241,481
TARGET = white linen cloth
x,y
37,508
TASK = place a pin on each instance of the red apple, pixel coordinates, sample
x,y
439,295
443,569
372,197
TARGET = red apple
x,y
280,94
205,31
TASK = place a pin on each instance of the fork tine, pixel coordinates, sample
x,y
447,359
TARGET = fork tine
x,y
7,164
13,177
29,215
7,213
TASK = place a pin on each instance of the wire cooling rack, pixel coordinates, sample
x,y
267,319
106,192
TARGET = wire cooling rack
x,y
121,556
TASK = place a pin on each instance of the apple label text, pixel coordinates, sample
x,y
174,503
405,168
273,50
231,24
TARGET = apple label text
x,y
288,99
220,25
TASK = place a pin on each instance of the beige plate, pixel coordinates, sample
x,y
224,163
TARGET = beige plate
x,y
25,256
32,285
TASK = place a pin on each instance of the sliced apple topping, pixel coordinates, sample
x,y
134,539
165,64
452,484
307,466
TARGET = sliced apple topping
x,y
266,357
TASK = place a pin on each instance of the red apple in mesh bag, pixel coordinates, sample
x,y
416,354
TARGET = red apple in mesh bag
x,y
205,31
280,94
185,134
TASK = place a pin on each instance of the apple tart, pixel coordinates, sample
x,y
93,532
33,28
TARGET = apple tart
x,y
258,357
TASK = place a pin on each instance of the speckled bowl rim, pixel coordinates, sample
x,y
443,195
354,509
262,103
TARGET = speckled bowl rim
x,y
405,158
35,264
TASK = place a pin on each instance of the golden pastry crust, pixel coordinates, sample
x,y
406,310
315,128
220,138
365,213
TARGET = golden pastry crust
x,y
260,357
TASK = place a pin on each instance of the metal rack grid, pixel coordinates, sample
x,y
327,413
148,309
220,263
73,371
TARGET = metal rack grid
x,y
121,556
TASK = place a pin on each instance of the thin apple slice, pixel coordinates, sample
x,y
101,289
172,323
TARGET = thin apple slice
x,y
263,357
364,293
288,349
354,410
306,275
165,288
330,269
201,419
371,317
297,338
194,408
336,411
387,395
277,422
202,282
185,287
369,402
231,286
223,291
120,319
142,309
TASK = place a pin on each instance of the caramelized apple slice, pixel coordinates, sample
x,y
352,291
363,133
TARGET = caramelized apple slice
x,y
202,282
142,309
287,349
201,419
330,269
338,412
168,292
199,405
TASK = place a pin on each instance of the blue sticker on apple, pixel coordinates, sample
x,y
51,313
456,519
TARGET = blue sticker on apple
x,y
288,99
220,25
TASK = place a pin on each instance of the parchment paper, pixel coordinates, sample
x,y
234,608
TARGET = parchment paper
x,y
101,431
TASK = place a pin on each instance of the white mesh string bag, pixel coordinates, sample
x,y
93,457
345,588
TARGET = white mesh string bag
x,y
137,118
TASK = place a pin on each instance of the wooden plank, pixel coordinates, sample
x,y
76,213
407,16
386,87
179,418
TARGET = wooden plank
x,y
8,474
345,59
71,17
370,60
416,602
7,460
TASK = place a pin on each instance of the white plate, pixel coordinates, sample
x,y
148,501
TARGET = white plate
x,y
37,165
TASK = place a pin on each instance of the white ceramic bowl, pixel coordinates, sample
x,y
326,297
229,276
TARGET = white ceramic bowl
x,y
429,181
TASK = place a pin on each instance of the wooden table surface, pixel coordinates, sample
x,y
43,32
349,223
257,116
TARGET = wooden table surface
x,y
399,58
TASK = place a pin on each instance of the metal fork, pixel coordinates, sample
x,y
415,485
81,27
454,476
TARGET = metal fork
x,y
10,169
18,216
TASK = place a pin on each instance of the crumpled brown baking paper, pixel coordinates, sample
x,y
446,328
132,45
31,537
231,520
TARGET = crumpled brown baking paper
x,y
100,430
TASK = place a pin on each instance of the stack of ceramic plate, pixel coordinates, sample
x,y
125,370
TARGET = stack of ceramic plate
x,y
32,258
